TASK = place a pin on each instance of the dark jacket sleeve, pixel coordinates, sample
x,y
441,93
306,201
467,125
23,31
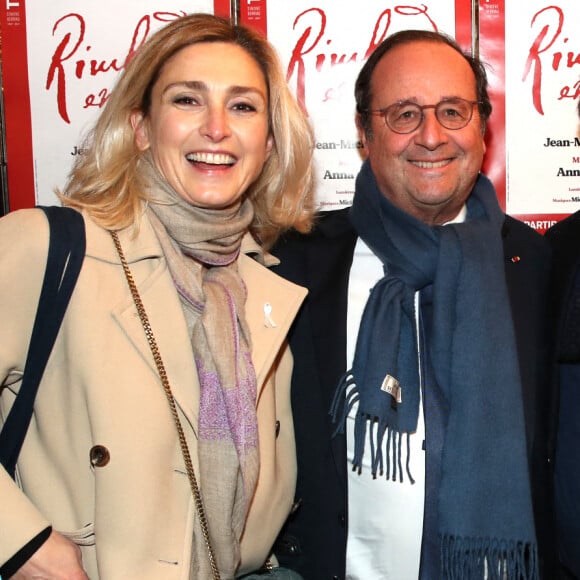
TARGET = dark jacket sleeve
x,y
24,554
313,542
527,265
565,313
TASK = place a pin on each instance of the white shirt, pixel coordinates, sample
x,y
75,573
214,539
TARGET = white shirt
x,y
385,518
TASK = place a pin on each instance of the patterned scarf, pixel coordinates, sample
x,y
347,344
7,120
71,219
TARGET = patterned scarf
x,y
485,511
201,247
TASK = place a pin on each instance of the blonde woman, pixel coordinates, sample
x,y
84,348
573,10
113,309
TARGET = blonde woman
x,y
200,159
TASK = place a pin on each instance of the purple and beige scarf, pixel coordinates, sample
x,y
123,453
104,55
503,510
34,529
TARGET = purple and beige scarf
x,y
201,247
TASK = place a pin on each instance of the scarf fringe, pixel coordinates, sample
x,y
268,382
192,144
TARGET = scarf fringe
x,y
386,459
342,402
464,558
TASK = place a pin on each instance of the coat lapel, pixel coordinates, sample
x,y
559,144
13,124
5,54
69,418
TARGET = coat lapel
x,y
169,328
271,307
155,286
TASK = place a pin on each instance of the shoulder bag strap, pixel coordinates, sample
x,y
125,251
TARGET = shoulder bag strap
x,y
65,257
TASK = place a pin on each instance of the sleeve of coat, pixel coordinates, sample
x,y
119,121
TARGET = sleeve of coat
x,y
23,252
277,478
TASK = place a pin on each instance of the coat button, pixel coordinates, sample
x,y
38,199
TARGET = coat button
x,y
99,455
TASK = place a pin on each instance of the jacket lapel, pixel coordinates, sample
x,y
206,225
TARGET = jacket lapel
x,y
271,307
155,286
328,270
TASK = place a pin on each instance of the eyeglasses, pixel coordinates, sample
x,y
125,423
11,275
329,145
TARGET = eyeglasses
x,y
405,117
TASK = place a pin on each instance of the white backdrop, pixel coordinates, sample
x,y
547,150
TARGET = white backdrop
x,y
60,58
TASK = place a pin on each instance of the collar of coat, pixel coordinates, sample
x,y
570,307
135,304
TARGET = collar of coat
x,y
271,307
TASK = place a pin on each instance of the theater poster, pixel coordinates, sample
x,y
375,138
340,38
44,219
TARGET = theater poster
x,y
542,86
323,45
59,61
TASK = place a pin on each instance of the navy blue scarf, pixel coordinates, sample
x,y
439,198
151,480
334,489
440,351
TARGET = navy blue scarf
x,y
485,507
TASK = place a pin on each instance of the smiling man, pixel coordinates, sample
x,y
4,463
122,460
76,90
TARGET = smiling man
x,y
424,333
427,158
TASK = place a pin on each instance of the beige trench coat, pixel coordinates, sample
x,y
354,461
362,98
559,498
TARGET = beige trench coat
x,y
132,516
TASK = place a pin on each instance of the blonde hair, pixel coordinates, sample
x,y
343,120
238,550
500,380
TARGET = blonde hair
x,y
106,181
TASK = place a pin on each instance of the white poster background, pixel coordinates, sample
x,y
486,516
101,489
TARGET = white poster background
x,y
542,86
323,46
75,52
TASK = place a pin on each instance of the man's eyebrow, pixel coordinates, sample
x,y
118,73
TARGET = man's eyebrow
x,y
416,100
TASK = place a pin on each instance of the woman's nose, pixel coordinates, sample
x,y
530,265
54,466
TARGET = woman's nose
x,y
216,123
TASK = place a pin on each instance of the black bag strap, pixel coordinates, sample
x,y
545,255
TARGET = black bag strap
x,y
66,252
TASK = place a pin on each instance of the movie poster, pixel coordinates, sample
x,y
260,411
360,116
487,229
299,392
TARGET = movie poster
x,y
542,86
60,59
491,50
323,46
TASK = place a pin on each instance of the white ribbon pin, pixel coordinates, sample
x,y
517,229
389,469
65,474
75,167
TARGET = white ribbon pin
x,y
268,321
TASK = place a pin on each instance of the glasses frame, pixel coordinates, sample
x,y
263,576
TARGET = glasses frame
x,y
384,110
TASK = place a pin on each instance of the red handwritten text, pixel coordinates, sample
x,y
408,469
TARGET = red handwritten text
x,y
541,48
312,36
65,64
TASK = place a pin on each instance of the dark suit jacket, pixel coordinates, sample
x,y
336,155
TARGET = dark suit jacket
x,y
565,300
313,541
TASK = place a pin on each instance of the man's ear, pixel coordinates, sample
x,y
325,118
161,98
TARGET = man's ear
x,y
360,130
139,124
